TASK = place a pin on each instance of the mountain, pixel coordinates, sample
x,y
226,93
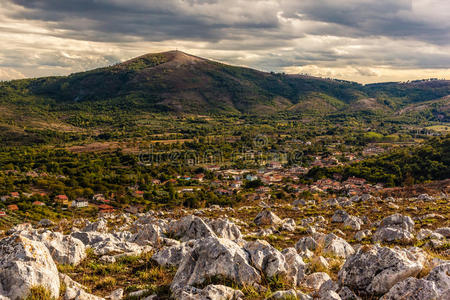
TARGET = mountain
x,y
181,83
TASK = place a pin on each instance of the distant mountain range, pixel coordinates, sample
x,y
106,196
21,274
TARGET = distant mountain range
x,y
181,83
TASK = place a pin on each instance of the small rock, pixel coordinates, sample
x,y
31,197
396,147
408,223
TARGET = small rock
x,y
315,280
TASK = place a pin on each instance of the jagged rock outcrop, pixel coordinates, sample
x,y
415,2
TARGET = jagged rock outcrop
x,y
267,217
99,226
64,249
173,255
294,265
190,228
110,243
266,258
148,234
374,270
226,229
214,256
24,264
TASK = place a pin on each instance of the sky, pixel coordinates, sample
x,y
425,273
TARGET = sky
x,y
358,40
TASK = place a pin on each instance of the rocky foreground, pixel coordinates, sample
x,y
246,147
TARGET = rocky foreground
x,y
357,248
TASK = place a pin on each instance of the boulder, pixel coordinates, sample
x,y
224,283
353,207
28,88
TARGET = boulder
x,y
64,249
267,217
110,244
425,197
75,291
412,288
24,264
288,225
398,221
173,255
294,265
190,228
391,234
100,226
362,234
219,292
339,216
328,285
214,256
336,246
46,223
353,222
116,294
148,234
330,295
347,294
306,243
440,275
374,270
445,231
395,228
289,294
266,258
226,229
423,234
315,280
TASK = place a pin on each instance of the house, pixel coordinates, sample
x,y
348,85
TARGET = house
x,y
80,203
156,181
13,207
15,194
138,194
4,198
199,177
224,192
2,214
98,197
236,184
105,207
262,189
213,168
38,203
62,199
250,177
355,181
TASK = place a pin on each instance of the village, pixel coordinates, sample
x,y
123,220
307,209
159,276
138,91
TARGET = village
x,y
249,185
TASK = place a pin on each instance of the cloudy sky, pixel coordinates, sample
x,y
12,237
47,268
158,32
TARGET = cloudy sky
x,y
359,40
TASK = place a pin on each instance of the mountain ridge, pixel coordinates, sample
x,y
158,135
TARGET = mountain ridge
x,y
178,82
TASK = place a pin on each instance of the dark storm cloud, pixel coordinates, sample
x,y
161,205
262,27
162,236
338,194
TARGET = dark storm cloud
x,y
147,20
212,20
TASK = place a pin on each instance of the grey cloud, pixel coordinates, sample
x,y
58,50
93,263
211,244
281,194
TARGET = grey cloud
x,y
394,18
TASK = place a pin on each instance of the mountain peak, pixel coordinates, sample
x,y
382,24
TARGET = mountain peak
x,y
150,60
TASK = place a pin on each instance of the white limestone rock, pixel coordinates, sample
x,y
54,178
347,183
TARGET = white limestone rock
x,y
24,264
